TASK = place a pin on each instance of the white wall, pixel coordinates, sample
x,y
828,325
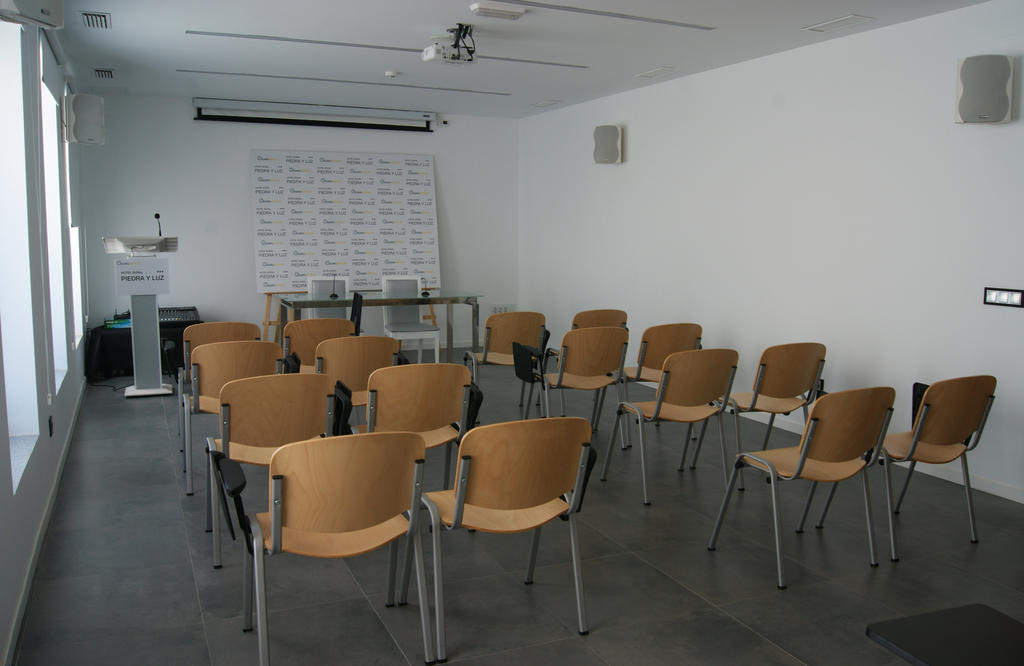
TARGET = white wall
x,y
820,194
195,174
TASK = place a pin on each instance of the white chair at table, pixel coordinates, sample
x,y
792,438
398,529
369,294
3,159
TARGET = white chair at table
x,y
403,322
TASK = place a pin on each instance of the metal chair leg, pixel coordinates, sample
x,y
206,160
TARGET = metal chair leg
x,y
686,446
522,391
446,477
247,585
643,457
209,489
870,518
600,408
739,446
389,600
777,525
807,506
768,432
970,498
824,510
260,582
700,443
534,547
187,452
725,456
421,591
887,464
725,505
561,400
435,521
577,575
611,441
906,482
529,399
215,514
593,411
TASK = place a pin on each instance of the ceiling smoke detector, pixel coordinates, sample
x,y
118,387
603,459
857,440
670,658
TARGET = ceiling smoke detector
x,y
497,10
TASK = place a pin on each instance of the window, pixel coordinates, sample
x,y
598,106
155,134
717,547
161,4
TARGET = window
x,y
16,323
49,108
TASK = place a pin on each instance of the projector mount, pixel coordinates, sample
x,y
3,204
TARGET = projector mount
x,y
461,50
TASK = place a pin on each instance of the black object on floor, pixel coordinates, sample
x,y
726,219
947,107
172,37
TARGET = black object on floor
x,y
971,634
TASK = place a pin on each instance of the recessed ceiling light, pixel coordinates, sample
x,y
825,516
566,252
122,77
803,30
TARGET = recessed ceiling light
x,y
497,10
655,73
546,102
838,23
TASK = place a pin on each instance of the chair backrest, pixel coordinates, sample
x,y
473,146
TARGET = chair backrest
x,y
698,376
660,341
791,369
522,464
594,351
222,362
215,331
401,286
355,315
504,328
847,424
301,337
418,397
325,288
955,408
592,318
353,359
274,410
347,483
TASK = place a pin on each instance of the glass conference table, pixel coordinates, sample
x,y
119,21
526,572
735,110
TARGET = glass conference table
x,y
291,308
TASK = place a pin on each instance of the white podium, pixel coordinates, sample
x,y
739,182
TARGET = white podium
x,y
142,277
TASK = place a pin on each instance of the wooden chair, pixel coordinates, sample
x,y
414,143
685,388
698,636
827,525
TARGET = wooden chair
x,y
431,399
842,437
201,334
947,425
590,359
514,477
592,318
787,378
500,331
353,359
214,364
691,389
260,414
339,497
302,336
656,344
403,322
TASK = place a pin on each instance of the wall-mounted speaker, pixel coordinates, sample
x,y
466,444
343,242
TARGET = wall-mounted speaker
x,y
607,144
83,119
984,91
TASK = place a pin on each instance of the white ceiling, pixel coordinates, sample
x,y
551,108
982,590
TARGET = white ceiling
x,y
336,51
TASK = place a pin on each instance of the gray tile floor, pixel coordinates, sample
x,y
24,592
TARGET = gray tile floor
x,y
125,575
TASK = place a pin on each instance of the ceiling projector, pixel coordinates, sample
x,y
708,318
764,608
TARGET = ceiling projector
x,y
461,50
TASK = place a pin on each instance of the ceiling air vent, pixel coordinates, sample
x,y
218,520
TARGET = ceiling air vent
x,y
104,73
99,20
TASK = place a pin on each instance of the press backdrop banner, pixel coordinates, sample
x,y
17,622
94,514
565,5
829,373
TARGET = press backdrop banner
x,y
354,215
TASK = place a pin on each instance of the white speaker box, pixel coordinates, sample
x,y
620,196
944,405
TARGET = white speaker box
x,y
984,91
83,119
607,144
